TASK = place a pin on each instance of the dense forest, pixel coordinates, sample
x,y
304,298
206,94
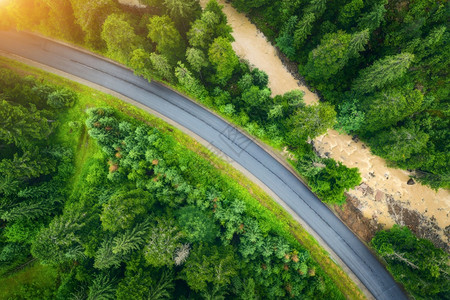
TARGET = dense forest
x,y
186,230
141,217
190,48
383,64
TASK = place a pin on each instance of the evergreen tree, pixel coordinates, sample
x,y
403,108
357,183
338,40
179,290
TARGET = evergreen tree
x,y
285,40
196,225
163,288
399,144
349,11
358,42
61,241
382,72
197,59
124,207
303,29
189,82
183,12
374,18
333,53
215,265
102,288
416,263
22,126
141,64
388,107
317,7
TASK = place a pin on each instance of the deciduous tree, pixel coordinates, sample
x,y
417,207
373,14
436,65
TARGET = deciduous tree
x,y
162,31
221,55
120,38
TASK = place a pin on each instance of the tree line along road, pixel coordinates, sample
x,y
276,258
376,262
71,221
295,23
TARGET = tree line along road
x,y
237,146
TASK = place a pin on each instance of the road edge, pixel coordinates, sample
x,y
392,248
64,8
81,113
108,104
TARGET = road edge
x,y
333,256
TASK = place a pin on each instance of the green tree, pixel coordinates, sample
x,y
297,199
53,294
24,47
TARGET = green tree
x,y
162,31
189,82
196,225
124,207
388,107
22,231
163,288
62,98
211,25
61,241
382,72
222,56
201,34
290,101
333,53
285,40
90,15
33,163
349,11
358,42
183,12
22,126
163,241
260,78
141,64
102,288
26,210
131,240
350,118
421,267
303,29
162,66
373,19
135,285
399,144
311,121
120,38
333,180
197,59
317,6
256,101
105,258
246,5
222,29
215,265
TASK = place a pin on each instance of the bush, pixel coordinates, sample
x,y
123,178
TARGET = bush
x,y
333,180
62,98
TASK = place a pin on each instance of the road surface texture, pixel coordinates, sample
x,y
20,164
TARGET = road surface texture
x,y
223,136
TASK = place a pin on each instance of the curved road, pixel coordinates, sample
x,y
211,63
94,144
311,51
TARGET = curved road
x,y
220,134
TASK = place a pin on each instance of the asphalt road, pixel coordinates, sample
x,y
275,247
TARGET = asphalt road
x,y
223,136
